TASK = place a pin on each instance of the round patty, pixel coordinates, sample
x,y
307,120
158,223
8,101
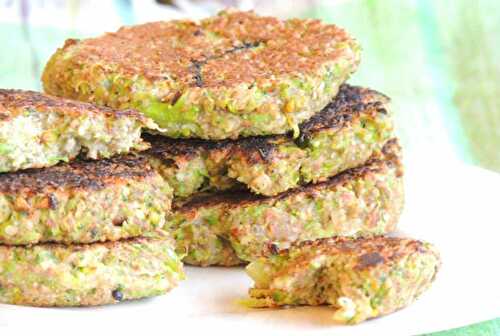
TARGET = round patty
x,y
231,75
38,130
360,278
83,202
87,275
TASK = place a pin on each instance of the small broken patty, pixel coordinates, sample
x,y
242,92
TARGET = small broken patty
x,y
88,275
354,126
232,75
83,202
38,130
233,227
360,278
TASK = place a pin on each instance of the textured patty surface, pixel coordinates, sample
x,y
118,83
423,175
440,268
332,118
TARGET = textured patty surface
x,y
82,202
360,278
38,130
87,275
234,227
235,74
350,129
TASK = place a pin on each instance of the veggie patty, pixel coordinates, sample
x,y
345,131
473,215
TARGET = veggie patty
x,y
232,75
88,275
360,278
83,202
38,130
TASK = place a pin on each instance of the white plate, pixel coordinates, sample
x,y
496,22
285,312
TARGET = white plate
x,y
453,206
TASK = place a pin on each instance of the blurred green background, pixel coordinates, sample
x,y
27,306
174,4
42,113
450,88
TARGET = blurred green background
x,y
438,60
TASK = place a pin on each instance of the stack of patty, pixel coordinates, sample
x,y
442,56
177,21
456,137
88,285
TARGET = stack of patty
x,y
263,143
75,207
260,139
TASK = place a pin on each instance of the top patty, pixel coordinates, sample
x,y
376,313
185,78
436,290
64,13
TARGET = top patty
x,y
235,74
38,130
350,129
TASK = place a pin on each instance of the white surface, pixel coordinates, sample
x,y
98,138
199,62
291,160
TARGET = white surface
x,y
455,208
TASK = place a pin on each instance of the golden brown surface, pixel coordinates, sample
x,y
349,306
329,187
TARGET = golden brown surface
x,y
216,45
369,252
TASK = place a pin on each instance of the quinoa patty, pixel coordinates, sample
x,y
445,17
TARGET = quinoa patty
x,y
233,227
88,275
349,130
83,202
38,130
361,278
235,74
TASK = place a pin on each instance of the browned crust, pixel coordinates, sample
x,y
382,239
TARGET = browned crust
x,y
370,251
349,104
80,174
163,147
186,50
15,102
76,247
232,198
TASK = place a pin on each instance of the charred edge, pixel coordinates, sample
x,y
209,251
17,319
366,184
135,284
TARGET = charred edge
x,y
261,145
197,65
166,148
255,149
350,102
93,175
375,247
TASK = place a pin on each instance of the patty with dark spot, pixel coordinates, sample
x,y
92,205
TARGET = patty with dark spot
x,y
233,227
350,129
360,278
38,130
83,202
88,275
233,75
